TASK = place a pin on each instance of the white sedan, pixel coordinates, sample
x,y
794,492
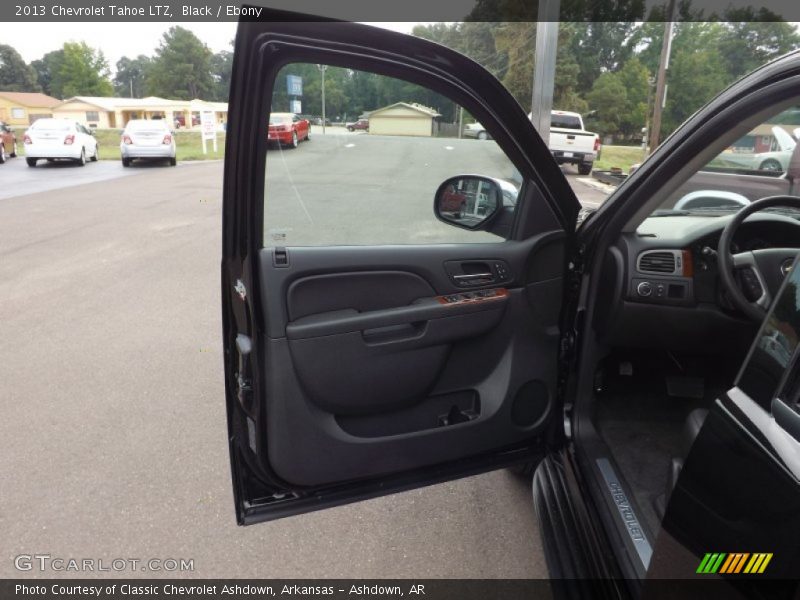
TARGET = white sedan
x,y
477,131
147,139
55,139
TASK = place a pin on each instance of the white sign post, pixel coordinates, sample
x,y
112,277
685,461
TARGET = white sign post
x,y
208,128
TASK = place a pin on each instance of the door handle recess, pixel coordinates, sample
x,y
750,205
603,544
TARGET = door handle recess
x,y
472,276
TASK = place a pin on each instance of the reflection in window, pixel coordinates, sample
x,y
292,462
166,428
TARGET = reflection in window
x,y
775,345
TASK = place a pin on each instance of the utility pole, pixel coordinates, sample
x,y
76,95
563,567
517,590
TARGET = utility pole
x,y
322,69
544,67
661,78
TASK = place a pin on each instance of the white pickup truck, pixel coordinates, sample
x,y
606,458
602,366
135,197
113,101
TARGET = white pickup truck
x,y
571,143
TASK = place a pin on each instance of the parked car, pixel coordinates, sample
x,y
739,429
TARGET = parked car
x,y
318,121
180,120
8,142
615,353
477,131
776,161
287,129
58,139
570,143
360,125
144,139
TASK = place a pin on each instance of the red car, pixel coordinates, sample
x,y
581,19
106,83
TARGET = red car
x,y
287,129
360,124
8,142
180,121
453,201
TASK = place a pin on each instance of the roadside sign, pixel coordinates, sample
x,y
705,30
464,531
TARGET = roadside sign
x,y
295,106
208,128
294,85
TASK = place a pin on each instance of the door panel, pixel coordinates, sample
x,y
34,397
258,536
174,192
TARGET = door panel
x,y
353,371
375,383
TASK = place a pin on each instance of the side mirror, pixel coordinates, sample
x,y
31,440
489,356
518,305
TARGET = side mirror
x,y
468,201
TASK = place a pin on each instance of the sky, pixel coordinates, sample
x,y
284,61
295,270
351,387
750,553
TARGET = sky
x,y
34,40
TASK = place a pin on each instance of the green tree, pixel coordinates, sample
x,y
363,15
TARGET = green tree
x,y
600,47
634,77
45,67
745,45
181,68
566,95
694,78
517,42
221,66
129,80
608,96
15,74
81,71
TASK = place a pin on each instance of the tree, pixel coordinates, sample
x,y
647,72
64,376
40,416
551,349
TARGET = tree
x,y
81,71
129,80
600,47
517,42
221,66
181,68
694,78
608,97
15,75
565,94
746,45
635,78
45,67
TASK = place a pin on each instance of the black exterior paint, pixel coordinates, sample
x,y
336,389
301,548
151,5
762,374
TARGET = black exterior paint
x,y
733,494
260,50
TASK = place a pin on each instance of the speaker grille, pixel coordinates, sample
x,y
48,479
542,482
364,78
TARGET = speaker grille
x,y
530,403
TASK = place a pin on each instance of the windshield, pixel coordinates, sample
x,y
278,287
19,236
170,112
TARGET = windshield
x,y
279,119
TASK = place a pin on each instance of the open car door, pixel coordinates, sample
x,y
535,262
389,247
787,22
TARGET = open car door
x,y
741,479
369,346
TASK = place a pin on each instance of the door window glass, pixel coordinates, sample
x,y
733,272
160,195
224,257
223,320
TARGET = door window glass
x,y
775,345
753,166
370,178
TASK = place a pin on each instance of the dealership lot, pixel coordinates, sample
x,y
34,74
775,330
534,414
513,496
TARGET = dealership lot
x,y
114,437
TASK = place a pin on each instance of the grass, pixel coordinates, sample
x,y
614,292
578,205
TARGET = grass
x,y
188,143
619,156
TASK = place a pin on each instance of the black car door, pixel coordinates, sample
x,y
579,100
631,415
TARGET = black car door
x,y
734,513
370,348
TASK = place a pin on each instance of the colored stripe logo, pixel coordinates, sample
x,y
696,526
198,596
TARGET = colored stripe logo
x,y
734,563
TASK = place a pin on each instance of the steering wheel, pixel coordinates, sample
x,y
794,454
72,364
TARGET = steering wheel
x,y
761,271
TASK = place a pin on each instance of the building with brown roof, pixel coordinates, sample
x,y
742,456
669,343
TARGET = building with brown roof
x,y
23,108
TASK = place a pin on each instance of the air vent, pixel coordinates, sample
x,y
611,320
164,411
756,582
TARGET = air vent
x,y
657,262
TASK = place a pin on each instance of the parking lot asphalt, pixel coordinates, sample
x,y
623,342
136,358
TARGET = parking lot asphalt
x,y
113,436
113,440
20,179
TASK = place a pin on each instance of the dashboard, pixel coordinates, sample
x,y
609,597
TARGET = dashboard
x,y
665,276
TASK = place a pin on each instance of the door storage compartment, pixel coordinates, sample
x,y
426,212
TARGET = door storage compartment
x,y
446,410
